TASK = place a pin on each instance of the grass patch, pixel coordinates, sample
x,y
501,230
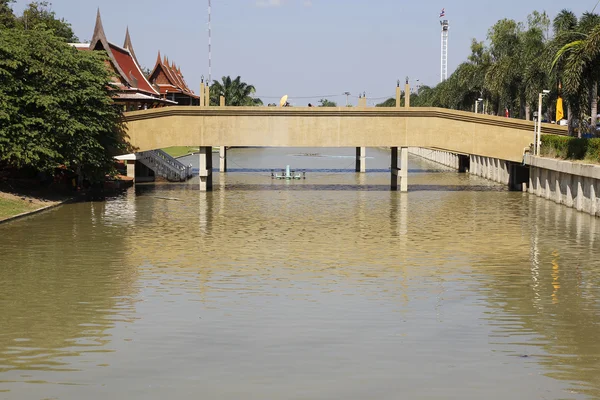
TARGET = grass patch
x,y
179,151
10,207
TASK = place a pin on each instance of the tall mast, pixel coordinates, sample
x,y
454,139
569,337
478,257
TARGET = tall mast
x,y
444,56
209,47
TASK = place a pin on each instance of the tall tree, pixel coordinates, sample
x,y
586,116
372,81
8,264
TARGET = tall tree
x,y
7,18
236,92
39,15
504,78
55,105
579,63
564,26
533,54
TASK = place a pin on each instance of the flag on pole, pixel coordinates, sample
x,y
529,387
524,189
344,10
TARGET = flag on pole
x,y
559,109
443,13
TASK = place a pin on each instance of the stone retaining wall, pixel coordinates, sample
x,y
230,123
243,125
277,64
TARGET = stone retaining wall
x,y
493,169
573,184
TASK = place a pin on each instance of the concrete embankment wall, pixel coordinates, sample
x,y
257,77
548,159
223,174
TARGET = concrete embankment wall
x,y
486,167
573,184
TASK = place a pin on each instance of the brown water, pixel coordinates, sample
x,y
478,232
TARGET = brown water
x,y
328,288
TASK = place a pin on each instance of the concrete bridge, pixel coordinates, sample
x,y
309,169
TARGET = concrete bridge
x,y
462,133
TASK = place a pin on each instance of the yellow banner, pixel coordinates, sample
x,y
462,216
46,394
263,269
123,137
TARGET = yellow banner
x,y
559,109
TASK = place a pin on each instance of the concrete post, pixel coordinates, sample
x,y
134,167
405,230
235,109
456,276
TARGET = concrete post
x,y
361,159
223,159
222,101
202,98
407,95
362,102
403,169
207,96
205,169
398,95
131,169
394,169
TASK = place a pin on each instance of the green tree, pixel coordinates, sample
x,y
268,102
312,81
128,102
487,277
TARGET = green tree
x,y
391,102
327,103
579,65
504,77
55,105
7,17
564,26
534,42
236,93
39,15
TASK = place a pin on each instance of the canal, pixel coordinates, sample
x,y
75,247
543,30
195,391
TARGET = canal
x,y
332,287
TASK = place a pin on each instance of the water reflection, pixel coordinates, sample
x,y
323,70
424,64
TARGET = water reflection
x,y
325,288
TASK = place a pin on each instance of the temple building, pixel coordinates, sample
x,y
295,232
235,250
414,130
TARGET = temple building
x,y
132,89
170,83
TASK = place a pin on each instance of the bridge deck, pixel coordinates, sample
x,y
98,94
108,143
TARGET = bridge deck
x,y
455,131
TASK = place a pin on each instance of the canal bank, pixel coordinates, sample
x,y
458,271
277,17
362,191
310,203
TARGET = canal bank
x,y
14,207
568,183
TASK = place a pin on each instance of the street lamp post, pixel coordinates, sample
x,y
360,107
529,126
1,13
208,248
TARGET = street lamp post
x,y
477,104
538,136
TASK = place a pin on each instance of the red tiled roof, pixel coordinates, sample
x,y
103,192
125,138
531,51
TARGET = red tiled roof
x,y
129,67
169,78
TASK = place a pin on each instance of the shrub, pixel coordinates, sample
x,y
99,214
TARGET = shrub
x,y
570,148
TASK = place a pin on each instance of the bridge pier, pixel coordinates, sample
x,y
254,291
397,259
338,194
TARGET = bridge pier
x,y
205,168
223,159
361,159
401,172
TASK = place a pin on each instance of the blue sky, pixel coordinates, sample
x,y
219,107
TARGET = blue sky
x,y
303,47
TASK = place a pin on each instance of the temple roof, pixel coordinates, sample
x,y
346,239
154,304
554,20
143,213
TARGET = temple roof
x,y
168,77
123,59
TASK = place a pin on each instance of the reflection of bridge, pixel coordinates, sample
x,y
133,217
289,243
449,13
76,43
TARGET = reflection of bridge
x,y
458,132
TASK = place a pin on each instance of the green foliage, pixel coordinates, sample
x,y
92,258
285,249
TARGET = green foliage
x,y
236,92
7,18
391,102
571,148
38,15
55,105
327,103
519,60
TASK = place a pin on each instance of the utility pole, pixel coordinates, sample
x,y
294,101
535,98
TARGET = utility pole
x,y
347,95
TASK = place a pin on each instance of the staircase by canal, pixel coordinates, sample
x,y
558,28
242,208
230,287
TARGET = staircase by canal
x,y
165,166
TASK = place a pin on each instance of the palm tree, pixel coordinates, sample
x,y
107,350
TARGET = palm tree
x,y
236,93
580,63
564,25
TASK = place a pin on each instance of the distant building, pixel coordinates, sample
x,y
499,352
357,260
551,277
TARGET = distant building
x,y
170,83
132,89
